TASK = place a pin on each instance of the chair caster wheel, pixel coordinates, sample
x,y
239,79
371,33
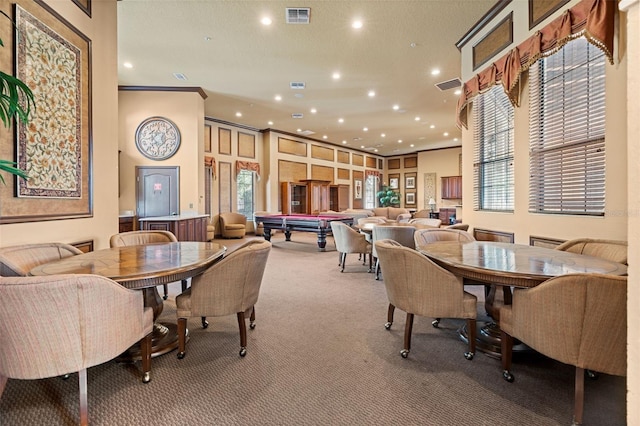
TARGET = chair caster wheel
x,y
593,375
252,325
243,352
469,355
180,355
146,377
435,323
205,323
506,374
388,326
404,353
65,377
165,297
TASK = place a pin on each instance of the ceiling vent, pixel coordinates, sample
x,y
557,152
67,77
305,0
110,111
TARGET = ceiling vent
x,y
297,85
307,132
180,76
297,115
298,15
449,84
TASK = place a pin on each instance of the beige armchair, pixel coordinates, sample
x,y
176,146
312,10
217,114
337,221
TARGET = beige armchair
x,y
613,250
57,325
460,226
230,286
233,225
428,236
348,240
211,230
402,234
434,223
420,287
17,261
577,319
424,213
140,238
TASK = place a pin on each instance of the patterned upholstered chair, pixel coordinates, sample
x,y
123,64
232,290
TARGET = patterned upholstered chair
x,y
418,286
348,240
233,225
140,238
57,325
401,234
17,261
577,319
228,287
613,250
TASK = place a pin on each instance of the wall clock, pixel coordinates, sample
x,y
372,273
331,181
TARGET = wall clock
x,y
157,138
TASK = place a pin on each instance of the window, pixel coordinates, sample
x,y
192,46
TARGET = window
x,y
370,190
566,125
493,155
245,190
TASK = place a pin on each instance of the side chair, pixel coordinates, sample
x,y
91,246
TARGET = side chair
x,y
576,319
613,250
230,286
348,240
17,261
57,325
401,234
138,238
418,286
233,225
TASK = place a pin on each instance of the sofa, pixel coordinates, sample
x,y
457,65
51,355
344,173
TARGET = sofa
x,y
392,213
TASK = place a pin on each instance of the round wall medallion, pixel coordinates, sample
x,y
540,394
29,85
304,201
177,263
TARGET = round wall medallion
x,y
157,138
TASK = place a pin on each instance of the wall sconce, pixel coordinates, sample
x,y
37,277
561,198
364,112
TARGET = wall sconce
x,y
432,204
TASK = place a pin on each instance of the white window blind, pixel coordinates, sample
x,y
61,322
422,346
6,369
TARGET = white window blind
x,y
493,153
566,126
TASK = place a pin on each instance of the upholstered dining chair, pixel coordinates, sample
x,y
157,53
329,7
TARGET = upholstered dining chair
x,y
435,223
402,234
56,325
460,226
230,286
348,240
233,225
576,319
17,261
139,238
418,286
613,250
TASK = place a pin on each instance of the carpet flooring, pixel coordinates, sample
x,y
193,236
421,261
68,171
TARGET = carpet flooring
x,y
319,355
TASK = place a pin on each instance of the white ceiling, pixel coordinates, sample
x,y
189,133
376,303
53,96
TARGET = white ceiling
x,y
221,47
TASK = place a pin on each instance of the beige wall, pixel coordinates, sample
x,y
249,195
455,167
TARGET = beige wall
x,y
186,110
101,29
442,162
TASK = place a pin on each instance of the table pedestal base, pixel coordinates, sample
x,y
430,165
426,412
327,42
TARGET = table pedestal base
x,y
488,339
164,339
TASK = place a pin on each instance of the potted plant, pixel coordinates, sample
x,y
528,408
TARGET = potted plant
x,y
388,197
16,101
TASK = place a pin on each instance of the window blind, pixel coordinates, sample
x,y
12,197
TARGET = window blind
x,y
567,128
493,151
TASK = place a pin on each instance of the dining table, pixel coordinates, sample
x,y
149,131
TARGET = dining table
x,y
143,267
503,266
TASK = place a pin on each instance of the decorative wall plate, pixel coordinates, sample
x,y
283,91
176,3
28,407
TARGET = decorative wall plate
x,y
157,138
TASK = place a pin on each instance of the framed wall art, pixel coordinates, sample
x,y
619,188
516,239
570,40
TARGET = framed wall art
x,y
157,138
410,199
54,147
357,193
410,180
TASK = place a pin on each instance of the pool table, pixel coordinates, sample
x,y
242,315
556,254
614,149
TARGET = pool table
x,y
320,224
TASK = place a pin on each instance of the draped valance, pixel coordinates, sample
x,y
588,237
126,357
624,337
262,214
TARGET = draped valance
x,y
593,19
210,162
248,165
368,173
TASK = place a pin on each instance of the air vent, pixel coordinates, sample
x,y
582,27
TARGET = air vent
x,y
297,85
297,115
298,15
307,132
449,84
180,76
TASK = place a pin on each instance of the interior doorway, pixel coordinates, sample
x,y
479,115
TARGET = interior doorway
x,y
157,191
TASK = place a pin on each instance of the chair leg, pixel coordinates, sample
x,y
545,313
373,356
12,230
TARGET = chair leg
x,y
579,397
166,291
377,270
145,355
407,336
506,349
252,318
390,316
3,383
243,334
436,322
205,323
471,335
184,285
343,259
182,336
84,408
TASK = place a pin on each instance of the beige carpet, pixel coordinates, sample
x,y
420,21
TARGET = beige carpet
x,y
319,356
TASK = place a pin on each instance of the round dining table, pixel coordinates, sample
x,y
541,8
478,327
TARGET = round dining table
x,y
143,267
506,265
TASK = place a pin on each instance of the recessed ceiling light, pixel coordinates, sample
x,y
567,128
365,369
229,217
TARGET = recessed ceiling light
x,y
432,126
455,139
411,145
313,110
371,93
324,136
299,130
266,20
127,65
270,123
357,24
344,142
399,140
207,38
445,134
336,76
458,92
238,114
382,135
396,107
365,129
362,146
375,150
277,97
340,120
417,118
435,71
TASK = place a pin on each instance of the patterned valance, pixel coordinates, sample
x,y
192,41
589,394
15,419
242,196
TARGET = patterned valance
x,y
210,162
248,165
593,19
368,173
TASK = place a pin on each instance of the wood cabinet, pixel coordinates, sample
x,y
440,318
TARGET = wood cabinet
x,y
451,187
446,214
127,223
338,197
305,197
185,228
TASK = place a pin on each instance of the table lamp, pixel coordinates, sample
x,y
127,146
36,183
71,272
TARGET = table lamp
x,y
432,204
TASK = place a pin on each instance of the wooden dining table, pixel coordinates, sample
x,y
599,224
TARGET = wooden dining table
x,y
143,267
506,265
